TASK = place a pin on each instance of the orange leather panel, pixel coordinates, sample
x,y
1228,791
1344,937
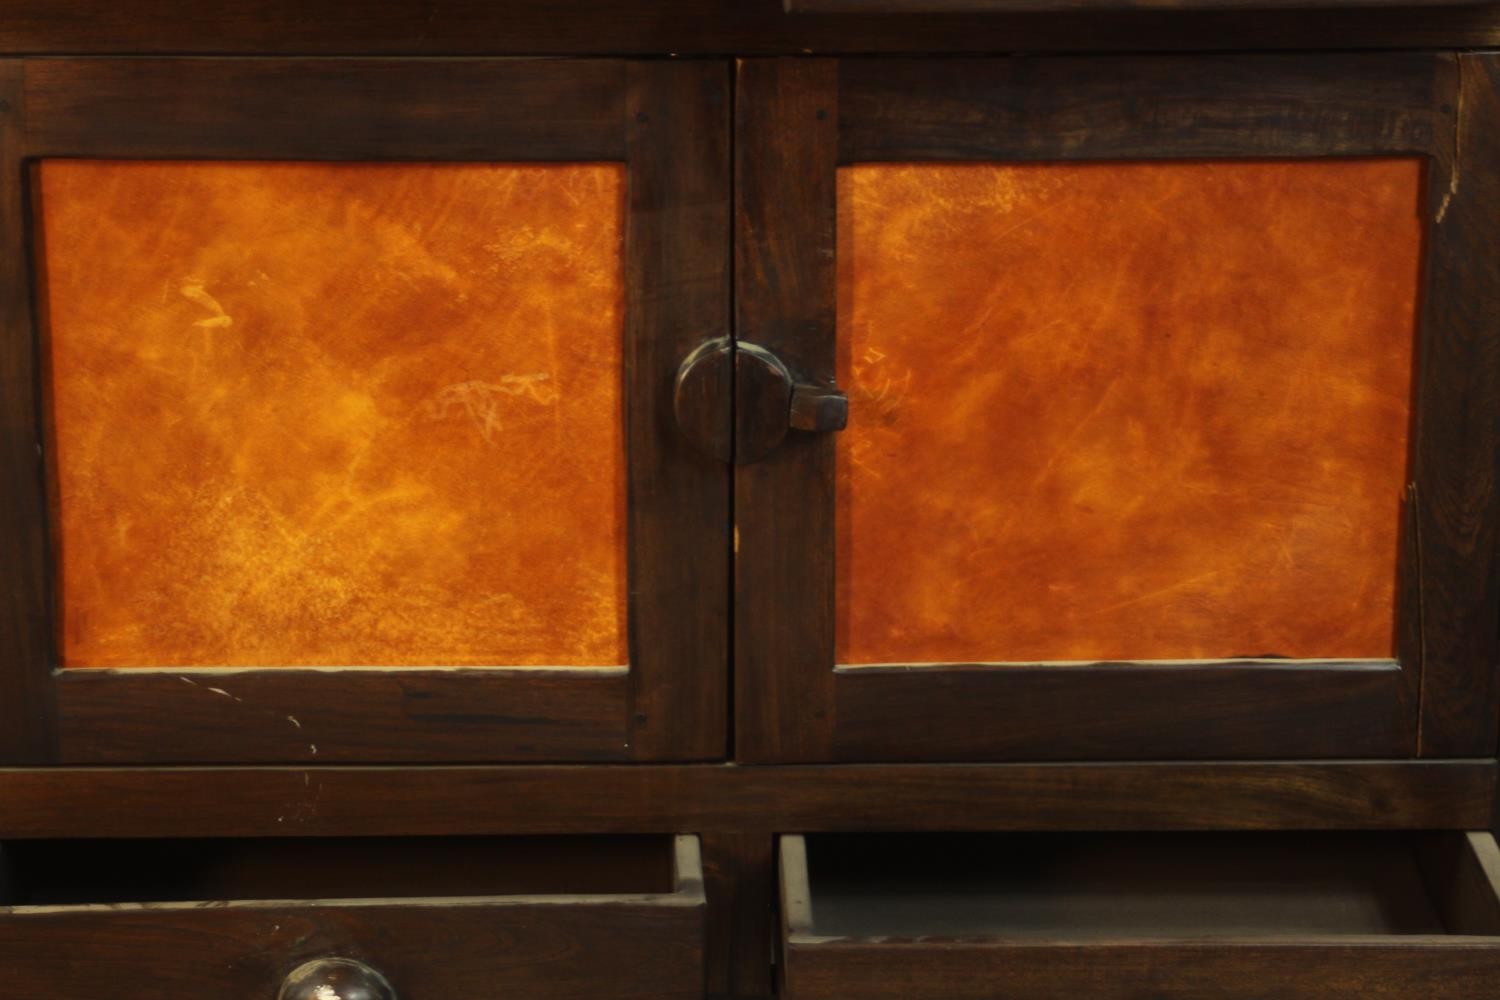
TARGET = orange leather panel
x,y
1129,410
337,413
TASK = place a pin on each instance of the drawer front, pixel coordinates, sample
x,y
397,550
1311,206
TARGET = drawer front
x,y
564,945
1138,972
1223,916
557,949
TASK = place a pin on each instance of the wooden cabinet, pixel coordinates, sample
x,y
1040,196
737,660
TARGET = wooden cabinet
x,y
455,462
394,427
1171,408
345,432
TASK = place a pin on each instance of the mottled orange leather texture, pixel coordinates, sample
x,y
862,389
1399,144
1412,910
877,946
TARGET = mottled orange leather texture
x,y
337,414
1123,410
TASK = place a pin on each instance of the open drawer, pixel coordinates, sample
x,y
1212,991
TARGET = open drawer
x,y
376,919
1222,915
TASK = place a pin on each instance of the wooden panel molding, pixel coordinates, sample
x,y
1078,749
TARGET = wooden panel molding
x,y
402,801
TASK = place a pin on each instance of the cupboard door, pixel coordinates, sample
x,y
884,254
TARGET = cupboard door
x,y
1171,407
339,416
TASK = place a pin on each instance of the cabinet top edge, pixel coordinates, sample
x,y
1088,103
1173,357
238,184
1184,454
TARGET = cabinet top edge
x,y
685,28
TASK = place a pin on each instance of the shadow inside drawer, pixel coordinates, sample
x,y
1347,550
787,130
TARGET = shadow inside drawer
x,y
1077,886
69,872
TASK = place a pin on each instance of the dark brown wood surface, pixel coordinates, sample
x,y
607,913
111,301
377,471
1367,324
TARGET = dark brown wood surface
x,y
762,402
426,951
1409,595
677,265
1456,454
786,126
794,705
669,122
26,637
328,716
541,945
1460,869
1381,952
702,398
1122,711
1014,6
386,801
1090,886
740,881
819,409
379,109
1118,107
674,707
750,27
1435,968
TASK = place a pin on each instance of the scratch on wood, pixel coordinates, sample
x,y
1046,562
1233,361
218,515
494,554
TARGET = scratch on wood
x,y
1455,171
195,291
481,401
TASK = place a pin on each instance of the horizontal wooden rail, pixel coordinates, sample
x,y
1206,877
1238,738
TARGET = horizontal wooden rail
x,y
412,801
1014,6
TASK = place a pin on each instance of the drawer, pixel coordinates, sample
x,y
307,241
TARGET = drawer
x,y
373,919
1222,915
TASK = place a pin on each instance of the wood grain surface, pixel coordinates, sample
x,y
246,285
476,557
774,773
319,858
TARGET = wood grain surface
x,y
402,801
705,27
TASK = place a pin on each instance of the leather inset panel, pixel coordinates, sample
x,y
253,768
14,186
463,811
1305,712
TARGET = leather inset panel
x,y
1123,410
322,414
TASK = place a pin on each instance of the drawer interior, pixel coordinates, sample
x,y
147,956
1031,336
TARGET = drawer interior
x,y
1141,885
72,872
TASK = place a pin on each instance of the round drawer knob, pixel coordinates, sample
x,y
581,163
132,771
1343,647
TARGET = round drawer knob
x,y
335,979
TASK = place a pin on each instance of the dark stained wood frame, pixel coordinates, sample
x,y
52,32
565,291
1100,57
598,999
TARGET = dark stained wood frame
x,y
668,122
798,120
1053,6
739,874
734,802
699,27
1462,872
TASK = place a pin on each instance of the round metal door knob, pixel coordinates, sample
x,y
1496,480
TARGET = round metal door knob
x,y
767,401
335,979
